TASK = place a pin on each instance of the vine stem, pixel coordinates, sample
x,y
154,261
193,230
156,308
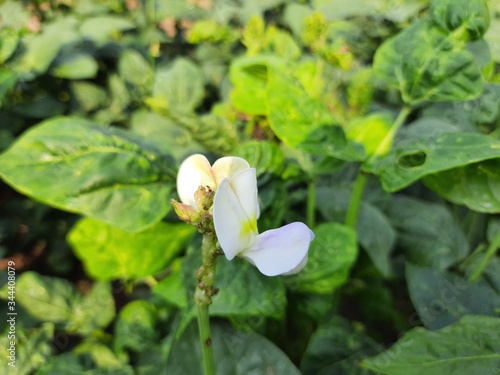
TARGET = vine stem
x,y
311,204
203,298
362,177
490,252
355,201
206,340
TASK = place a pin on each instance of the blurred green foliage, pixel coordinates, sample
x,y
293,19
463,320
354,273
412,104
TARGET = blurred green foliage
x,y
100,101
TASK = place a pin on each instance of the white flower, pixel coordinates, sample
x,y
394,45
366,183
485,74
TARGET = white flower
x,y
274,252
235,213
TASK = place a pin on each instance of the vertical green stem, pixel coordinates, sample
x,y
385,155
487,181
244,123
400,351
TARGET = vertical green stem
x,y
386,142
362,178
311,204
490,252
355,201
206,340
203,298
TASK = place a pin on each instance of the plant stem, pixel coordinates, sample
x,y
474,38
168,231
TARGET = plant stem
x,y
490,252
203,298
206,340
362,178
311,204
386,142
355,201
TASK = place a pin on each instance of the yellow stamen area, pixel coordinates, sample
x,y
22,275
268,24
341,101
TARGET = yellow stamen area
x,y
248,226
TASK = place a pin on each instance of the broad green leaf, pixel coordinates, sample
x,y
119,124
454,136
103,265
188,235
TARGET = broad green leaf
x,y
465,115
88,96
77,66
46,298
472,15
135,327
102,357
172,288
43,48
370,131
8,80
441,298
180,87
100,28
476,186
40,108
105,173
264,156
32,349
373,229
445,351
244,291
249,76
109,253
134,68
69,363
55,300
427,63
331,256
9,39
165,134
302,121
237,353
427,232
95,310
337,347
415,158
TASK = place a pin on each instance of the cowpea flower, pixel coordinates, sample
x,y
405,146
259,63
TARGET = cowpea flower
x,y
235,213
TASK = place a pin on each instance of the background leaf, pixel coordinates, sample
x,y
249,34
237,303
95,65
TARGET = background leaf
x,y
76,165
110,253
444,351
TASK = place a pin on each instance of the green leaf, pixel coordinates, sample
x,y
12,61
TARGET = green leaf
x,y
264,156
444,351
172,288
46,298
43,48
32,349
180,87
88,96
427,63
472,15
134,68
244,291
302,121
441,298
8,80
476,186
336,347
77,66
135,328
109,253
415,158
249,76
100,28
105,173
96,309
237,353
331,256
370,131
165,134
40,108
9,39
427,232
373,229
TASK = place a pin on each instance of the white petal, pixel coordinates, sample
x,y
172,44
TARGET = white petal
x,y
282,250
228,166
244,185
235,231
195,171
